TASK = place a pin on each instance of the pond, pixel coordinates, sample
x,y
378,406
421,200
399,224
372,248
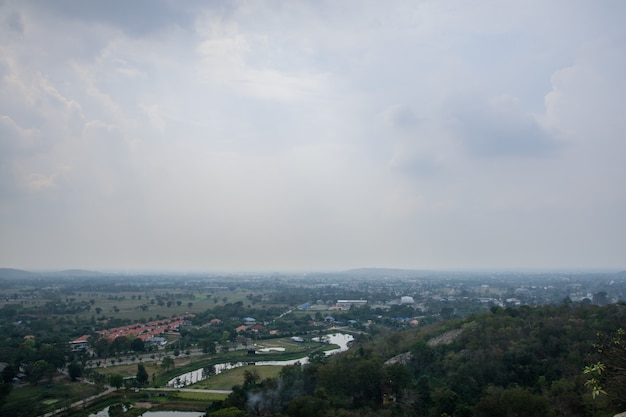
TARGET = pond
x,y
105,413
340,339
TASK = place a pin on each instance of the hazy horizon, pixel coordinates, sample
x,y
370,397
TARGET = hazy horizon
x,y
299,136
252,271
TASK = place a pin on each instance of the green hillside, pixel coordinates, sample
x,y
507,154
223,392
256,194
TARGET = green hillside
x,y
508,362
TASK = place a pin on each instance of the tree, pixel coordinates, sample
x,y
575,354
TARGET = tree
x,y
368,374
317,357
5,390
137,345
208,347
608,376
167,363
142,375
98,379
397,377
512,402
121,344
600,298
228,412
75,370
250,378
444,401
307,406
207,371
40,369
52,354
9,373
116,380
102,347
116,410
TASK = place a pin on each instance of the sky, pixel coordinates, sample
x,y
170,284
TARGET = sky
x,y
312,135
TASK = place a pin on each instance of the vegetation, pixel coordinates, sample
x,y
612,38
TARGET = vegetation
x,y
543,345
508,362
226,380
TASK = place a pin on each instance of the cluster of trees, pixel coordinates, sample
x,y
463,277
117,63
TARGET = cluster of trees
x,y
38,359
234,312
104,347
507,362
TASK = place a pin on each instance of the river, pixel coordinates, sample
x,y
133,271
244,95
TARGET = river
x,y
340,339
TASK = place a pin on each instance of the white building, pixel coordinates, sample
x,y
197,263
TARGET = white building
x,y
349,303
407,300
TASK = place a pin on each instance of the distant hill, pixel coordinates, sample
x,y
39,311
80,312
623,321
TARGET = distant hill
x,y
10,273
385,272
17,274
71,273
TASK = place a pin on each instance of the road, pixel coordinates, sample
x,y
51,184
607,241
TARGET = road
x,y
84,402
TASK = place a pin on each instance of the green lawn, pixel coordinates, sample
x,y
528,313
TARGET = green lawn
x,y
286,343
199,396
227,379
131,369
36,400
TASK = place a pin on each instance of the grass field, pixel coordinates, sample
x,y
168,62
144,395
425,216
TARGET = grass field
x,y
292,350
285,343
199,396
131,369
227,379
42,398
128,304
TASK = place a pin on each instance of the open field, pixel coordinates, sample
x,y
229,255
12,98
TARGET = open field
x,y
137,305
39,399
184,363
285,343
227,379
199,396
130,369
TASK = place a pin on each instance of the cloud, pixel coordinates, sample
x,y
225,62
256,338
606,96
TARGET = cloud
x,y
311,134
401,116
136,18
14,22
16,139
498,126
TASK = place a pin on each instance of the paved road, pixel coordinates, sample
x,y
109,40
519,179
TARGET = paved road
x,y
80,403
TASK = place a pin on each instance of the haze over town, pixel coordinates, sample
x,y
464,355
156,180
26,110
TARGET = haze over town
x,y
282,135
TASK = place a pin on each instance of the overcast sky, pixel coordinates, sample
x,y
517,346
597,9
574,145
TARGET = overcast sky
x,y
312,135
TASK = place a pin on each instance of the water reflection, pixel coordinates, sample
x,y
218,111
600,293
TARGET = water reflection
x,y
105,412
340,339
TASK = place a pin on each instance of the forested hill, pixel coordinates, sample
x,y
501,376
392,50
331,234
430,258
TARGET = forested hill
x,y
508,362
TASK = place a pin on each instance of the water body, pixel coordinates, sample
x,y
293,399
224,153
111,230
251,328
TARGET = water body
x,y
173,414
339,339
104,412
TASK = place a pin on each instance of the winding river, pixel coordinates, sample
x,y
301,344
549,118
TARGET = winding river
x,y
340,339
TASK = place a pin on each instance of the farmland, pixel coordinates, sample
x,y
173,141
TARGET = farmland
x,y
219,319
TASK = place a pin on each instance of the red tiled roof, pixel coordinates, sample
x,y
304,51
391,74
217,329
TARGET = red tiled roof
x,y
81,339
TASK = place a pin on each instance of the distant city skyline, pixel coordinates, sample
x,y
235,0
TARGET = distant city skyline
x,y
312,136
